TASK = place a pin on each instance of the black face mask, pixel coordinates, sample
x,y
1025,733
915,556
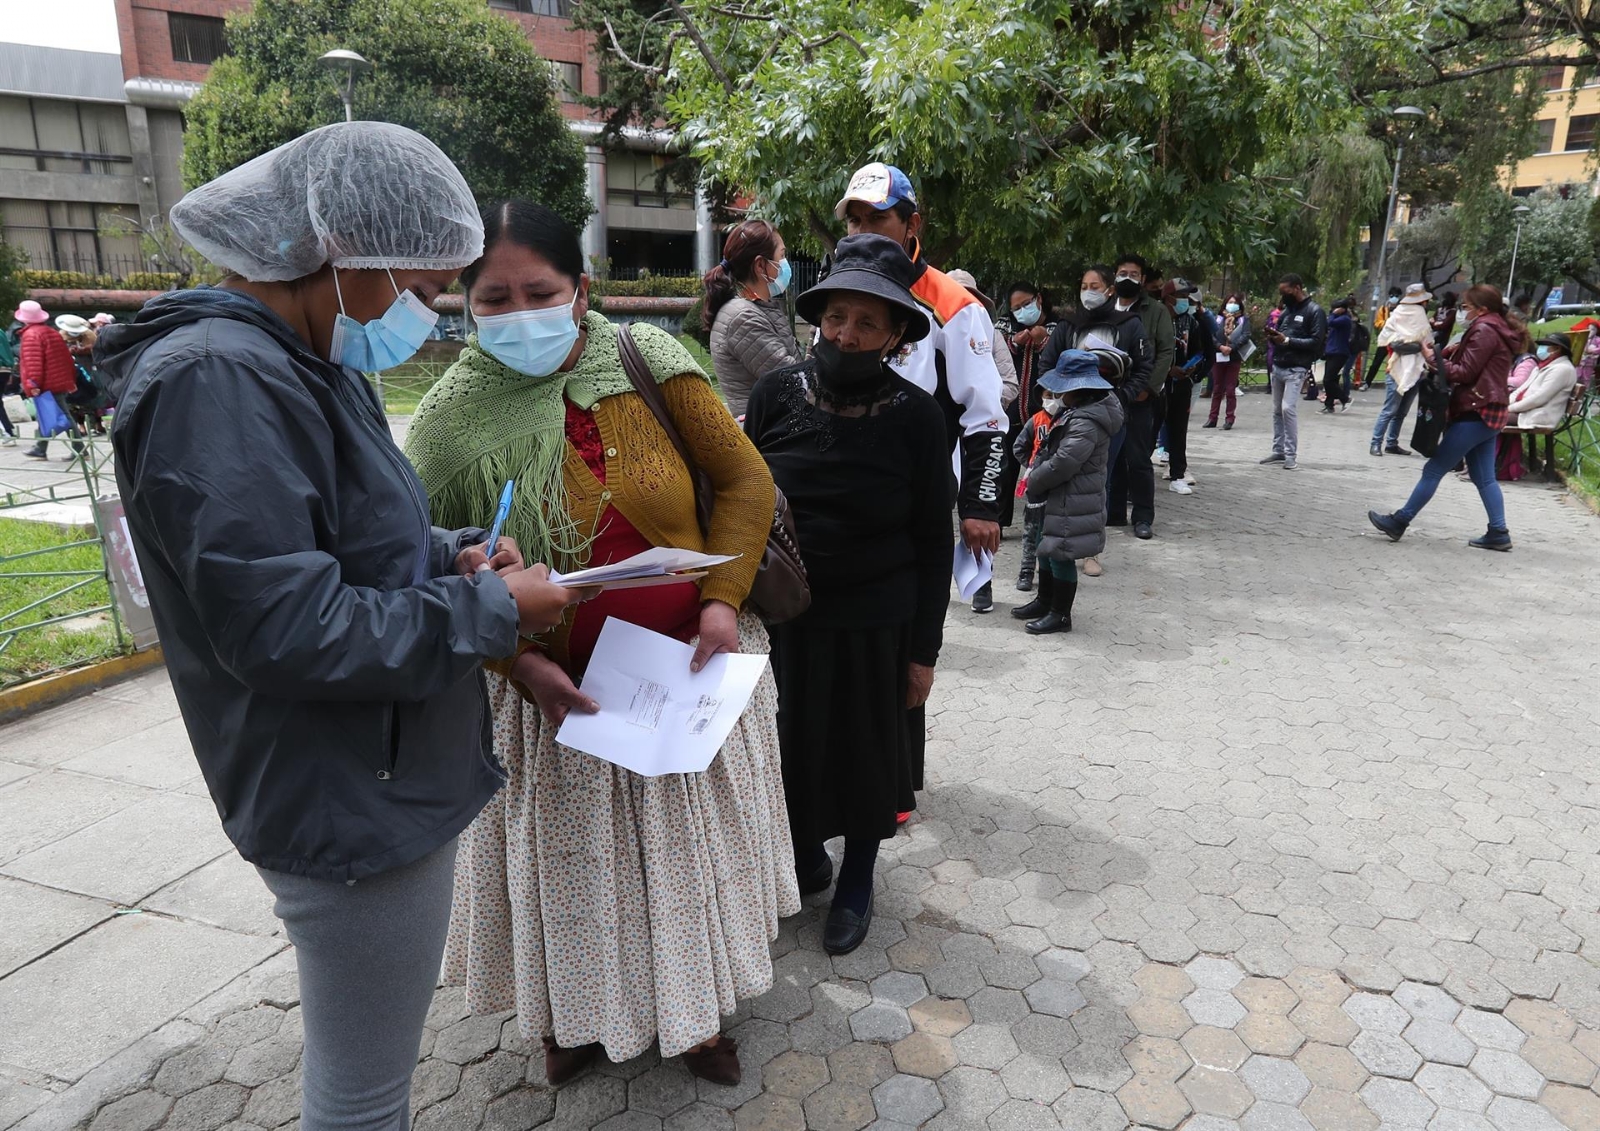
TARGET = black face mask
x,y
1127,288
1287,297
847,371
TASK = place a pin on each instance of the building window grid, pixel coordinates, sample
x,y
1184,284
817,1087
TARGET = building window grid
x,y
88,161
1581,132
1547,135
561,8
197,39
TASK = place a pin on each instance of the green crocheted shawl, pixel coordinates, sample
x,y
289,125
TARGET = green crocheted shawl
x,y
483,423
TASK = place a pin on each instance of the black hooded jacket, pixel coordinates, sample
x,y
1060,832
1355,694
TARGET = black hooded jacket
x,y
326,659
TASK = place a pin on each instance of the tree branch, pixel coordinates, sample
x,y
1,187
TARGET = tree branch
x,y
706,53
807,45
1443,76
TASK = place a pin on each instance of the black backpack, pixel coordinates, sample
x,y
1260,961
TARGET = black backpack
x,y
1360,338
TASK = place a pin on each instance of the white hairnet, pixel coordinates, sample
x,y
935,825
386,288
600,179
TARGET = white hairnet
x,y
355,194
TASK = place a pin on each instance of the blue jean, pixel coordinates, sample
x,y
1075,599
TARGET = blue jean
x,y
1474,441
1392,415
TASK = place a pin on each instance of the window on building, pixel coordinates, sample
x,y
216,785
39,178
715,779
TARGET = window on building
x,y
1553,78
562,8
569,80
197,39
1547,135
631,178
1580,132
64,235
49,135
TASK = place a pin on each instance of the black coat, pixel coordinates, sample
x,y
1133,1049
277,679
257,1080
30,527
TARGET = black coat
x,y
1305,329
326,660
1126,331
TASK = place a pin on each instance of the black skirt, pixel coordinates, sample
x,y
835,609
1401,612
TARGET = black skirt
x,y
852,751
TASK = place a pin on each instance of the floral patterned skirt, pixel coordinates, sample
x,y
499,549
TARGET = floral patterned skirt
x,y
608,907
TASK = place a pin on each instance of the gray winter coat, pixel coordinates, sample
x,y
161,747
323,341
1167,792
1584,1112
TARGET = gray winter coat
x,y
1069,477
326,658
748,341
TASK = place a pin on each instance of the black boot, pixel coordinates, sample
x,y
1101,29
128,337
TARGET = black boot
x,y
1059,618
1041,600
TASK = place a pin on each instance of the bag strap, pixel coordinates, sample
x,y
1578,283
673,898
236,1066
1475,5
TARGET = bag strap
x,y
646,385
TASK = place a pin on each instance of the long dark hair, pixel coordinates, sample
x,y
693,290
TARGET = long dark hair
x,y
751,240
534,227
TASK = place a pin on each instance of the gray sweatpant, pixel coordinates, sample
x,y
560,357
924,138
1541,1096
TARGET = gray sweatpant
x,y
369,954
1285,384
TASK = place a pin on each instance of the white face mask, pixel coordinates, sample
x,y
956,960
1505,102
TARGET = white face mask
x,y
1054,405
1091,300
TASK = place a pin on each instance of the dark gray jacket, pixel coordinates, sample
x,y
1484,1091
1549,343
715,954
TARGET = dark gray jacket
x,y
1069,477
1305,330
327,662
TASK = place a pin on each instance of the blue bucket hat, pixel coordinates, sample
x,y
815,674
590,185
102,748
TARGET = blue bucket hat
x,y
1076,369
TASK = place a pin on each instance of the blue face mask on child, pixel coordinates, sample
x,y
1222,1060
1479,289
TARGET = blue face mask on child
x,y
385,342
533,342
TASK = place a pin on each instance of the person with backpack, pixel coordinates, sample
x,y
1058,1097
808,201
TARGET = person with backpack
x,y
48,374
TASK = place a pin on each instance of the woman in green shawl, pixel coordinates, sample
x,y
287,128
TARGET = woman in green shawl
x,y
611,910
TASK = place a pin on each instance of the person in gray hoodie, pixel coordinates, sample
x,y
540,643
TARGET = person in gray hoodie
x,y
1069,477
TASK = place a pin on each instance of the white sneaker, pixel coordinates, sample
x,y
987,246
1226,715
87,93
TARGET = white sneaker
x,y
1179,487
8,442
1161,455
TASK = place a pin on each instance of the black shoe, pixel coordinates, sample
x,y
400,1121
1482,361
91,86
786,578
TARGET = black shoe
x,y
845,929
983,599
1493,540
1024,583
1050,622
36,452
1142,531
818,879
1041,601
1275,457
1227,426
1329,411
1396,450
1394,527
1209,424
1376,449
1059,618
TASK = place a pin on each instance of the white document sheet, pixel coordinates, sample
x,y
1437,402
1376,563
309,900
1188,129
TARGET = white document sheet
x,y
656,716
656,562
971,572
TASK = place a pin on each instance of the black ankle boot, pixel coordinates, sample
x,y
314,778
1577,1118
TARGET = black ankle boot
x,y
1059,618
1041,599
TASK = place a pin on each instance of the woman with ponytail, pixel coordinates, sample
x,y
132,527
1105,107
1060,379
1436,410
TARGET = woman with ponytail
x,y
750,333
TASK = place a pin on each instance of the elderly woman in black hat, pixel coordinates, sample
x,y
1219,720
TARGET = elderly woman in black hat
x,y
862,457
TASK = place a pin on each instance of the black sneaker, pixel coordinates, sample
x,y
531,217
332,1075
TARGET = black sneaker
x,y
1396,450
1394,527
1275,457
983,599
36,452
1142,531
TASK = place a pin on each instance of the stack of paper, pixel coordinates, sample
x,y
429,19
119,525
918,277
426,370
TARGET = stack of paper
x,y
659,565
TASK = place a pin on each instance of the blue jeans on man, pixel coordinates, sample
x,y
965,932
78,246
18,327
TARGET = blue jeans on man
x,y
1474,441
1393,413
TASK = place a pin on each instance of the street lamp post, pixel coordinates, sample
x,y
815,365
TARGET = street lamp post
x,y
1411,115
352,65
1521,213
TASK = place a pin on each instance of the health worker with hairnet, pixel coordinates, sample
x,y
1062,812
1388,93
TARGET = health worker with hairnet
x,y
324,640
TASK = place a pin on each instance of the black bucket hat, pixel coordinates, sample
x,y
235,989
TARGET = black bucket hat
x,y
1562,342
870,265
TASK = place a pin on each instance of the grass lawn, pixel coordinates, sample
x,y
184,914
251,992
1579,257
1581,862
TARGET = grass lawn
x,y
38,651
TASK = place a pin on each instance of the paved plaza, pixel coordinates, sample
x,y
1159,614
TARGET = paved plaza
x,y
1296,830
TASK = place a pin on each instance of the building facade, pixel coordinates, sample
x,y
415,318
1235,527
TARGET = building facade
x,y
90,143
1567,124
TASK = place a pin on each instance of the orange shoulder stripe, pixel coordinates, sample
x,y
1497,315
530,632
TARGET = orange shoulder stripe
x,y
943,298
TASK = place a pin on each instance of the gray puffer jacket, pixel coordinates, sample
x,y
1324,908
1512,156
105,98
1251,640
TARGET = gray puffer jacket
x,y
1069,477
748,341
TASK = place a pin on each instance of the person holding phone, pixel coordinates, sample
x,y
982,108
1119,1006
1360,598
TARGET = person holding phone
x,y
325,641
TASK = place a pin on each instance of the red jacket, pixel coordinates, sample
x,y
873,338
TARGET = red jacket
x,y
44,363
1479,365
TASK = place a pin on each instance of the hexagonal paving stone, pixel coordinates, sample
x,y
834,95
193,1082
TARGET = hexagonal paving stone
x,y
1264,1116
467,1040
1158,1057
1448,1120
845,1107
1384,1054
1490,1030
907,1099
971,1094
899,988
1214,973
1275,1079
1158,1018
1265,995
923,1054
1167,983
940,1017
1056,998
1211,1047
1508,1114
1214,1007
880,1021
1270,1034
1508,1074
791,1073
1559,1061
1439,1041
1541,1019
1312,984
1153,1103
1331,1066
1036,1078
1324,1022
1020,1115
864,1066
1397,1103
1211,1091
1330,1110
1453,1088
1575,1107
986,1046
1376,1013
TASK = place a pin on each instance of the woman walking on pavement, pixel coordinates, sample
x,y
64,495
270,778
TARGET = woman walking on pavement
x,y
1235,335
612,910
1476,369
325,642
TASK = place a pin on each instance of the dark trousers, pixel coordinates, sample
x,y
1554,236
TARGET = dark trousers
x,y
1180,400
1378,357
1134,480
1335,378
5,421
1008,479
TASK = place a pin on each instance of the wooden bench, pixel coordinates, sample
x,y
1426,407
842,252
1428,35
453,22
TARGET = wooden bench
x,y
1576,411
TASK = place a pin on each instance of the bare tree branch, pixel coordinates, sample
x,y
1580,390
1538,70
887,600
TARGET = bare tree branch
x,y
1442,76
706,53
806,45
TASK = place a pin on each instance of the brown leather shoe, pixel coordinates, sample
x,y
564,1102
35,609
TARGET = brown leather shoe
x,y
718,1064
561,1065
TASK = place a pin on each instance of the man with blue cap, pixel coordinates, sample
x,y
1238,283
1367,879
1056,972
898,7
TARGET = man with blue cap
x,y
955,363
1068,475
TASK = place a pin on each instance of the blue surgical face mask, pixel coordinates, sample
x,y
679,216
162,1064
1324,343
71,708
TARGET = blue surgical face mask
x,y
1232,308
776,287
1544,353
385,342
1027,315
1181,306
533,342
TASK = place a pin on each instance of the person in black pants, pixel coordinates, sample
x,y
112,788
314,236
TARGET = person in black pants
x,y
1133,479
1336,357
1194,343
1380,355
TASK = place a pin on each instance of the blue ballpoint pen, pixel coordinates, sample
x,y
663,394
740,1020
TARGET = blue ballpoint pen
x,y
499,518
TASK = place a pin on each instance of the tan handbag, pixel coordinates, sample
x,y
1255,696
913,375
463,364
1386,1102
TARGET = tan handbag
x,y
780,591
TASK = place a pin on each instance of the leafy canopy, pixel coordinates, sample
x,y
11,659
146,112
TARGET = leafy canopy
x,y
450,69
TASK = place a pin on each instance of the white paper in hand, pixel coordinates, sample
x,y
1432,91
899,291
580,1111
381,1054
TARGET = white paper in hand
x,y
656,716
658,561
972,572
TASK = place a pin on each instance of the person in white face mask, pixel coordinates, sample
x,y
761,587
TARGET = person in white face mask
x,y
1025,323
613,911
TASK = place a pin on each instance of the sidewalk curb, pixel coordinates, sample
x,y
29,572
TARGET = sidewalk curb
x,y
36,695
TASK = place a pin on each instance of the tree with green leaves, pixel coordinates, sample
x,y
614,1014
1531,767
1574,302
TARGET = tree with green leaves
x,y
12,289
450,69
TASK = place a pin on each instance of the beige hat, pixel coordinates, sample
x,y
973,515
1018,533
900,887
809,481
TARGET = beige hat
x,y
965,279
72,325
1417,292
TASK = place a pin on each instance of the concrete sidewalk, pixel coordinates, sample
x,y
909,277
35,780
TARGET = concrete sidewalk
x,y
1297,829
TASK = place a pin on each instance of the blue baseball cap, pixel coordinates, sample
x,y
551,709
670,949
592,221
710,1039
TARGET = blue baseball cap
x,y
882,186
1076,369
